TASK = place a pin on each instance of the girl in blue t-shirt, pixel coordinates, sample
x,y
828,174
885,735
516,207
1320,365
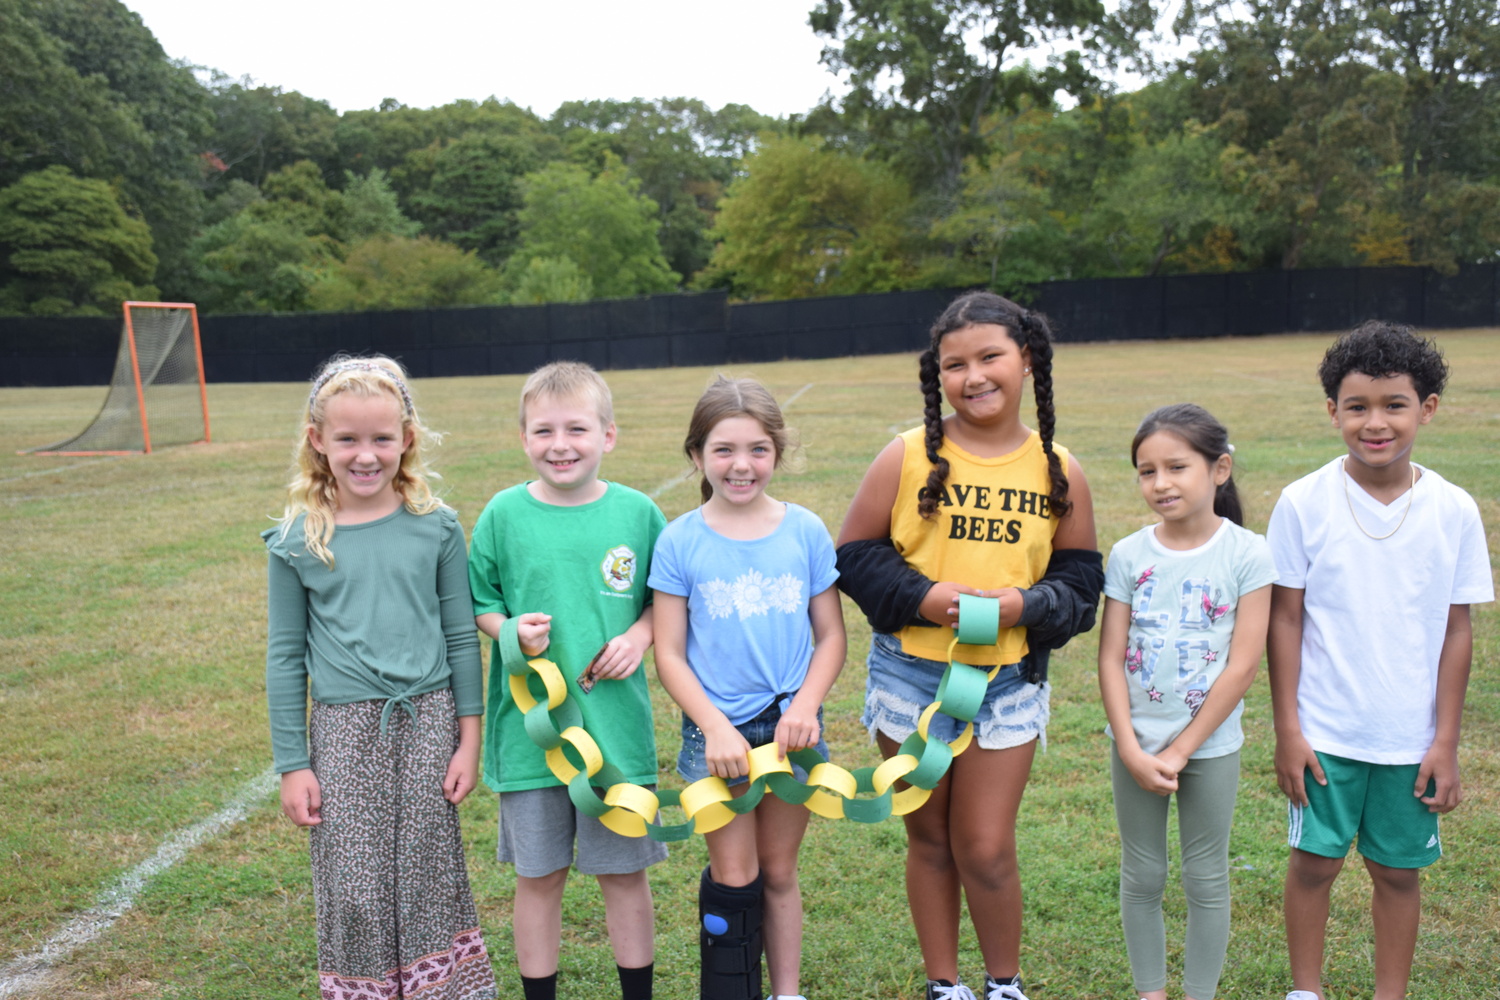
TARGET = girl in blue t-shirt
x,y
749,638
1187,601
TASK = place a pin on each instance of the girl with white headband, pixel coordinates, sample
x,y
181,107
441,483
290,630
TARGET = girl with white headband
x,y
369,613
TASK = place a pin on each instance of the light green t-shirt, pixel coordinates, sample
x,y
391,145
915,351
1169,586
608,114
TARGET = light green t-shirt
x,y
390,620
586,566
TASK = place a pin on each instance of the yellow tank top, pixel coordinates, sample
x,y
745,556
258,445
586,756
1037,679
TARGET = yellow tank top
x,y
993,528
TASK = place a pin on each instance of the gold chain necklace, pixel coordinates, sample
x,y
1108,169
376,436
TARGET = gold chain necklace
x,y
1350,501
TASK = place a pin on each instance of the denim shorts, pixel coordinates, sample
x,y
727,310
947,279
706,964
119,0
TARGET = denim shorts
x,y
900,686
692,764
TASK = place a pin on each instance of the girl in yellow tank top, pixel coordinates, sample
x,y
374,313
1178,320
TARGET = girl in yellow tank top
x,y
974,502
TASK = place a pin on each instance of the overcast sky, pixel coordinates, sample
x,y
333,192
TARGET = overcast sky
x,y
354,54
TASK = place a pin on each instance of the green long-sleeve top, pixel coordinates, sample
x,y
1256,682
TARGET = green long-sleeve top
x,y
392,619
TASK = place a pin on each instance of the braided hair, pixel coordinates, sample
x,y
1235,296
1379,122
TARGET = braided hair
x,y
1030,332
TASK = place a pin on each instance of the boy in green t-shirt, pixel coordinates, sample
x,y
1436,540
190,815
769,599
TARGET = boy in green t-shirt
x,y
567,555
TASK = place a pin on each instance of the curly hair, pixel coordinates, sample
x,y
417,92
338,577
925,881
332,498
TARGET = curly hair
x,y
1381,349
1030,331
312,489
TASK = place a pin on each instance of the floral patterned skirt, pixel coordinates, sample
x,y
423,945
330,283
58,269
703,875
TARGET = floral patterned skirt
x,y
395,914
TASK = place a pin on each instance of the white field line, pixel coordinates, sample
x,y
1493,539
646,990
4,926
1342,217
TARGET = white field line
x,y
48,472
684,477
29,972
796,396
675,480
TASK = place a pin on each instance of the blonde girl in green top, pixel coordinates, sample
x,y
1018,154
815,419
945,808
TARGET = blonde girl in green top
x,y
369,613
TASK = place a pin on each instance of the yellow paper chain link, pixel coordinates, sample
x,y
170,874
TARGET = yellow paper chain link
x,y
554,723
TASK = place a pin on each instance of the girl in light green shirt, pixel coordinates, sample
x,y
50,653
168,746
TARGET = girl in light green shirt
x,y
369,612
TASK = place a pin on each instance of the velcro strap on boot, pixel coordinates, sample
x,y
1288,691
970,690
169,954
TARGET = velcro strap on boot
x,y
730,939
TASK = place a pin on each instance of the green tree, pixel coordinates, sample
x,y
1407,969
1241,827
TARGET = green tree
x,y
297,196
393,272
401,140
1002,234
1456,221
85,85
68,247
472,195
806,220
1447,54
602,224
261,129
270,254
259,263
372,209
52,114
1168,200
551,279
234,199
1312,124
1029,212
272,248
932,79
683,152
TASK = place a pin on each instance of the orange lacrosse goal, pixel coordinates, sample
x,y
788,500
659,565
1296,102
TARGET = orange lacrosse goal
x,y
157,395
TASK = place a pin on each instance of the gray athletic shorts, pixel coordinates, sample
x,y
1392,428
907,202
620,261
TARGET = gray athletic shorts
x,y
538,828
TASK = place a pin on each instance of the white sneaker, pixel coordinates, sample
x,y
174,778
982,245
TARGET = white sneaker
x,y
1302,995
994,990
939,990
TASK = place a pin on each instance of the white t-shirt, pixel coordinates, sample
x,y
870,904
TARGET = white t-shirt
x,y
1374,613
749,638
1182,614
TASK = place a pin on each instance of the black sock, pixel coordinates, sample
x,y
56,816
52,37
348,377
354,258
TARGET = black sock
x,y
540,987
635,984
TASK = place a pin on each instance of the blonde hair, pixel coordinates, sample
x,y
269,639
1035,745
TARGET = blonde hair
x,y
313,490
735,397
572,381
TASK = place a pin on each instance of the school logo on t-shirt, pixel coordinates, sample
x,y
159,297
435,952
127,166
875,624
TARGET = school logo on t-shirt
x,y
618,568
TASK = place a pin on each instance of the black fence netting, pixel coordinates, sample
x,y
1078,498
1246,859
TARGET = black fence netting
x,y
662,331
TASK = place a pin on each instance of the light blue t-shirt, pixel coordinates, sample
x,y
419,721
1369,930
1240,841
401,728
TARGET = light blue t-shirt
x,y
749,638
1182,614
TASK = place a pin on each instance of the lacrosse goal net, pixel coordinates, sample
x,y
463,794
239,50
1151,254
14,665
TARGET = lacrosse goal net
x,y
157,395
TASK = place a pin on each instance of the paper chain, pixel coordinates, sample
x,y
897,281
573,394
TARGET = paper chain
x,y
865,795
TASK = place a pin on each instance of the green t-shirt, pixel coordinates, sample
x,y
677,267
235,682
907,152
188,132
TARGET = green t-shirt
x,y
390,620
586,566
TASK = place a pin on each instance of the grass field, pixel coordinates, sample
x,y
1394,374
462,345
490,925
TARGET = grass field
x,y
132,691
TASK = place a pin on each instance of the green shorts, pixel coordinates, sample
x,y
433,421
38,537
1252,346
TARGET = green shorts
x,y
1374,802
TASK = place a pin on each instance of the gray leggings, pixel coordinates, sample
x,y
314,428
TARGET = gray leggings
x,y
1205,812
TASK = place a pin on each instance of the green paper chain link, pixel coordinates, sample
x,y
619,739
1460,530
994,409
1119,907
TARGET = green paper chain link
x,y
866,795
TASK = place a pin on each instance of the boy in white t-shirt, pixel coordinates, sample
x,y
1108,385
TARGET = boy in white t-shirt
x,y
1369,650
